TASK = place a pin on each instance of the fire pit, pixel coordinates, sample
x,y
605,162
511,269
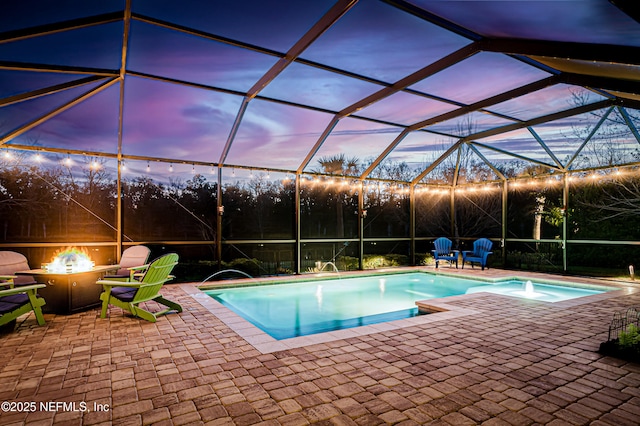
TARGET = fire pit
x,y
71,278
68,260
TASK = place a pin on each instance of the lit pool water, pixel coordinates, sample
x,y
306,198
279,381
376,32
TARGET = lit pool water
x,y
309,307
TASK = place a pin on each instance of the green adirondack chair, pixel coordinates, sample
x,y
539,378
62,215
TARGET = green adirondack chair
x,y
18,294
128,295
17,301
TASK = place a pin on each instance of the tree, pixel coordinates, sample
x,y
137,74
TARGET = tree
x,y
199,197
341,166
27,201
622,199
609,145
143,199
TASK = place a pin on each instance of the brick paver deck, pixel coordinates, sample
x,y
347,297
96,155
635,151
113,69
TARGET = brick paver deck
x,y
498,361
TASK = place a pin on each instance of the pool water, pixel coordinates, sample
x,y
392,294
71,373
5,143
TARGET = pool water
x,y
303,308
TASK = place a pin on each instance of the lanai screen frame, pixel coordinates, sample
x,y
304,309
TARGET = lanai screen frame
x,y
516,48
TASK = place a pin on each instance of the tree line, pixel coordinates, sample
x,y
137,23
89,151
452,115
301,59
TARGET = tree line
x,y
55,204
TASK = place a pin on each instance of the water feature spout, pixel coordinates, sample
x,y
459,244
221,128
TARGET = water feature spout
x,y
528,288
226,271
324,265
528,291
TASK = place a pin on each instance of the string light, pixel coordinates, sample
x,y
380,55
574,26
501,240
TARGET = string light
x,y
551,179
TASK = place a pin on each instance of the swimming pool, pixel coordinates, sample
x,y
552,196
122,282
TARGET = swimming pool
x,y
302,308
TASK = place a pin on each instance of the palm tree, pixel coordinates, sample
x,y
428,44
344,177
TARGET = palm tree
x,y
339,165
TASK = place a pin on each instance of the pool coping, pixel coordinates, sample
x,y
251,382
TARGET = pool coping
x,y
440,309
542,278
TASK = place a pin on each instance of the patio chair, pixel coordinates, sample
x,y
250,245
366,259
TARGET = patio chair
x,y
12,262
128,295
443,251
17,301
480,253
18,294
132,262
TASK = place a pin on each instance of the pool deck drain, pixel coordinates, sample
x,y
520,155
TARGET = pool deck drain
x,y
488,360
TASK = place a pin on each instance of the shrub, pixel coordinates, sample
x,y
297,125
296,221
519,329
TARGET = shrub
x,y
250,266
424,259
630,338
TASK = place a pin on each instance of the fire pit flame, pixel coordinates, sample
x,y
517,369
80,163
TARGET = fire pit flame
x,y
70,259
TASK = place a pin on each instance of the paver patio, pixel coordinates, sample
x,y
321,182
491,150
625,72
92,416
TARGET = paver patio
x,y
505,361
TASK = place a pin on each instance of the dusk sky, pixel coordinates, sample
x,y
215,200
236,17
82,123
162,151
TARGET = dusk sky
x,y
372,46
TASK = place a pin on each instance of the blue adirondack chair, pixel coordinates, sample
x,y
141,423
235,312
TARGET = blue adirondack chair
x,y
443,251
480,253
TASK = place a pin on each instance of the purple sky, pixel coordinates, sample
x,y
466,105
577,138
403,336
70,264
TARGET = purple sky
x,y
373,40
